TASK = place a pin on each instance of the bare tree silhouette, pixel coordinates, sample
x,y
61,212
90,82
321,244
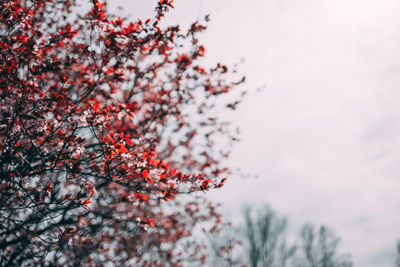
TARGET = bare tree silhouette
x,y
318,248
265,238
265,243
398,254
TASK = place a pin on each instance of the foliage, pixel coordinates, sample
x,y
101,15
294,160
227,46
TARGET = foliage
x,y
104,125
224,246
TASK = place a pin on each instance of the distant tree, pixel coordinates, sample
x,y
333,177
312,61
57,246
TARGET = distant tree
x,y
398,254
266,243
107,129
318,248
224,247
265,238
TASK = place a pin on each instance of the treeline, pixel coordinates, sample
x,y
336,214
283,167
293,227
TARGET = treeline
x,y
264,240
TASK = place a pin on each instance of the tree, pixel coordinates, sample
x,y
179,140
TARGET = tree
x,y
319,249
265,243
265,237
107,131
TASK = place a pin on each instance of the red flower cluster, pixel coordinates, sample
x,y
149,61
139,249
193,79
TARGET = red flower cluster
x,y
101,122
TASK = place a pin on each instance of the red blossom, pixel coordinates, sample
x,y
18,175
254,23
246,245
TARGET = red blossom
x,y
97,132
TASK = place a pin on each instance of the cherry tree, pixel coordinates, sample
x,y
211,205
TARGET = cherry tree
x,y
108,133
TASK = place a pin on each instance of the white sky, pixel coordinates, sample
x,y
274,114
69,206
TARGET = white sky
x,y
324,135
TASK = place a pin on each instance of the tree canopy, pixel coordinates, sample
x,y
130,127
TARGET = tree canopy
x,y
107,129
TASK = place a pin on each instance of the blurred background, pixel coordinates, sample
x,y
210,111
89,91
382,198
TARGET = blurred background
x,y
322,136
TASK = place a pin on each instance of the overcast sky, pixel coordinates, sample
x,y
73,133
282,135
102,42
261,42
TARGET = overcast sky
x,y
324,134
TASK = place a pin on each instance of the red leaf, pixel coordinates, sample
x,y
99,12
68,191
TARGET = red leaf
x,y
128,142
145,173
96,107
